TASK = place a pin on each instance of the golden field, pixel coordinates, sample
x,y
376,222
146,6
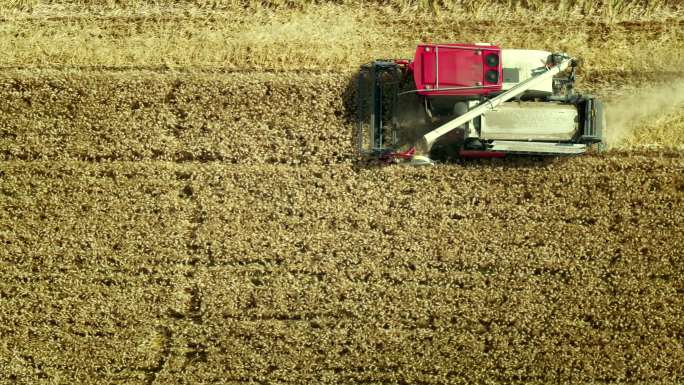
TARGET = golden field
x,y
514,272
180,202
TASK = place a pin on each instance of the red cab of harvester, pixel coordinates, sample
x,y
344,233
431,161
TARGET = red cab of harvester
x,y
457,69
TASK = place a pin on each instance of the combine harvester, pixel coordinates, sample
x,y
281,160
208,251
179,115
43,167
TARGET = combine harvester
x,y
474,101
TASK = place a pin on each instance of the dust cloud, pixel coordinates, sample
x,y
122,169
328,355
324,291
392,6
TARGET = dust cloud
x,y
624,115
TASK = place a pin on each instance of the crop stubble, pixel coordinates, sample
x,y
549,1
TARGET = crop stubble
x,y
245,118
515,272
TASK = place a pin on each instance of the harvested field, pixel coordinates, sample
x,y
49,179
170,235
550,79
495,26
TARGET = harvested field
x,y
235,118
209,272
180,203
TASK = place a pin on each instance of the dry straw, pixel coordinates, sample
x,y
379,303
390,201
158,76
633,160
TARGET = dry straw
x,y
332,36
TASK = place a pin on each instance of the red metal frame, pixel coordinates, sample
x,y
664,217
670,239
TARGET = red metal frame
x,y
392,156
